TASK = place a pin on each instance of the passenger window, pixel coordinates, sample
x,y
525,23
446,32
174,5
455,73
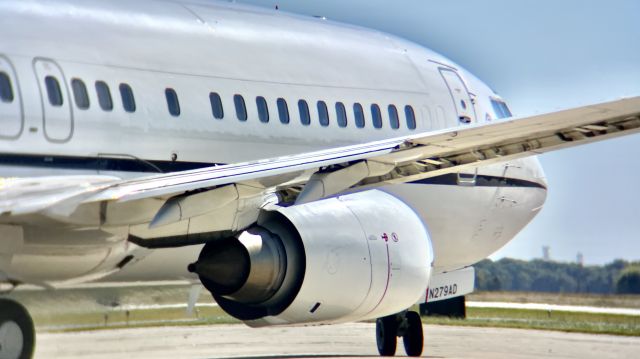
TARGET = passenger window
x,y
376,115
393,117
216,105
323,114
305,117
358,112
6,91
283,110
128,101
241,108
341,113
263,109
53,91
80,94
173,104
104,96
411,117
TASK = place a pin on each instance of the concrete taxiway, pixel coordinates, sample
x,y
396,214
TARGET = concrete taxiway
x,y
555,308
350,340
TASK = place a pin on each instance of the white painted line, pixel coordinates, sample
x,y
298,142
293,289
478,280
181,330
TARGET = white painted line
x,y
162,306
555,307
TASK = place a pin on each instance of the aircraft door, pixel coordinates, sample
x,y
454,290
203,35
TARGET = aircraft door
x,y
11,118
56,104
461,97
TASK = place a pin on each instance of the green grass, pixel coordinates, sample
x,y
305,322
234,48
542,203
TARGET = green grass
x,y
583,299
91,309
478,317
545,320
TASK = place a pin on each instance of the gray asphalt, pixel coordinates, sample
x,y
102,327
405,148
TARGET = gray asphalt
x,y
342,341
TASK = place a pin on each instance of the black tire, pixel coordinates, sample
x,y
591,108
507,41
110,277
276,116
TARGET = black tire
x,y
413,338
386,336
17,333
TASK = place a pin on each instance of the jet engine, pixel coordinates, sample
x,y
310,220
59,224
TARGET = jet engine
x,y
353,257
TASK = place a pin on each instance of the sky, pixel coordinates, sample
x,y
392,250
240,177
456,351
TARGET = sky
x,y
541,56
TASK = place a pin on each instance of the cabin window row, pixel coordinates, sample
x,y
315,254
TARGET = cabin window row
x,y
105,101
81,94
322,110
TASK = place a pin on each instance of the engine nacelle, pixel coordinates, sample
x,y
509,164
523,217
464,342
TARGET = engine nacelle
x,y
354,257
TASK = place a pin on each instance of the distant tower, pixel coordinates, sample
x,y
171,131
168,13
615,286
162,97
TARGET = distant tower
x,y
580,258
546,253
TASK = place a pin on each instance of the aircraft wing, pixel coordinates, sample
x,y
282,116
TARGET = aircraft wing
x,y
438,152
449,151
170,198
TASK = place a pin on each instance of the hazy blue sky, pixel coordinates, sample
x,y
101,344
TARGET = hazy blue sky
x,y
539,55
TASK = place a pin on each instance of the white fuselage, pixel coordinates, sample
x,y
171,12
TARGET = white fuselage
x,y
196,49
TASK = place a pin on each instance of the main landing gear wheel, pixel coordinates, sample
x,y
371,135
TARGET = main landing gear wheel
x,y
413,338
17,333
407,325
386,333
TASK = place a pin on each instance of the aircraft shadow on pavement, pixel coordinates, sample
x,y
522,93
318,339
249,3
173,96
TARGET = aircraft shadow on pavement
x,y
311,356
302,356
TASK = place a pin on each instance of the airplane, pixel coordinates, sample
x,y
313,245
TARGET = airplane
x,y
304,171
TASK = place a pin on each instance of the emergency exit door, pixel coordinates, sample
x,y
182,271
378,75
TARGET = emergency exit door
x,y
56,104
460,95
11,118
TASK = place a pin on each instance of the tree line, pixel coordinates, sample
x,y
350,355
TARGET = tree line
x,y
538,275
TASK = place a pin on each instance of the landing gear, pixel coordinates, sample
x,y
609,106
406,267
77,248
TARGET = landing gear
x,y
17,333
407,325
413,337
386,332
